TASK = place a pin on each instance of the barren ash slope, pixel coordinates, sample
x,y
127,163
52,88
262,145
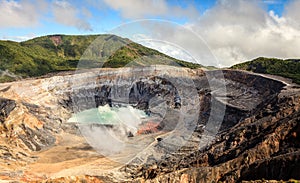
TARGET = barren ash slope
x,y
201,126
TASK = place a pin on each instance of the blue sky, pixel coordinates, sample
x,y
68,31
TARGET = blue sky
x,y
233,30
100,16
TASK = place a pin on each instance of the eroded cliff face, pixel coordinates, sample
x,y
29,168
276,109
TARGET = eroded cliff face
x,y
264,145
233,126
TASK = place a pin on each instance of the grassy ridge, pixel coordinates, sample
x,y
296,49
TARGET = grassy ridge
x,y
136,54
56,53
289,68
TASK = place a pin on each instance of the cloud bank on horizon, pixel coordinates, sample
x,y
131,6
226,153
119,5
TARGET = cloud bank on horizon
x,y
235,31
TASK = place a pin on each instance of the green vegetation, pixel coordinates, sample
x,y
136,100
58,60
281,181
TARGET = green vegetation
x,y
56,53
289,68
134,54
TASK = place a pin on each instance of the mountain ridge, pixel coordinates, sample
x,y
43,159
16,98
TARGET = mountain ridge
x,y
58,52
289,68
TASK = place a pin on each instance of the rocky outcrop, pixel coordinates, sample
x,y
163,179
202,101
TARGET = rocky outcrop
x,y
6,106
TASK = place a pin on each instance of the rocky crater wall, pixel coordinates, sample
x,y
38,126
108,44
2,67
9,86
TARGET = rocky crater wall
x,y
260,118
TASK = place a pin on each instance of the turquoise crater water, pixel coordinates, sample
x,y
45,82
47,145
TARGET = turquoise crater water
x,y
128,116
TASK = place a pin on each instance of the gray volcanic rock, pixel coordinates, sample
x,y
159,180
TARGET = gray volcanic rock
x,y
6,106
262,145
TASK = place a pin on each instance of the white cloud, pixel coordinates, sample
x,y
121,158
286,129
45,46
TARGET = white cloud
x,y
242,30
20,14
133,9
236,31
292,13
19,38
167,48
66,14
29,13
